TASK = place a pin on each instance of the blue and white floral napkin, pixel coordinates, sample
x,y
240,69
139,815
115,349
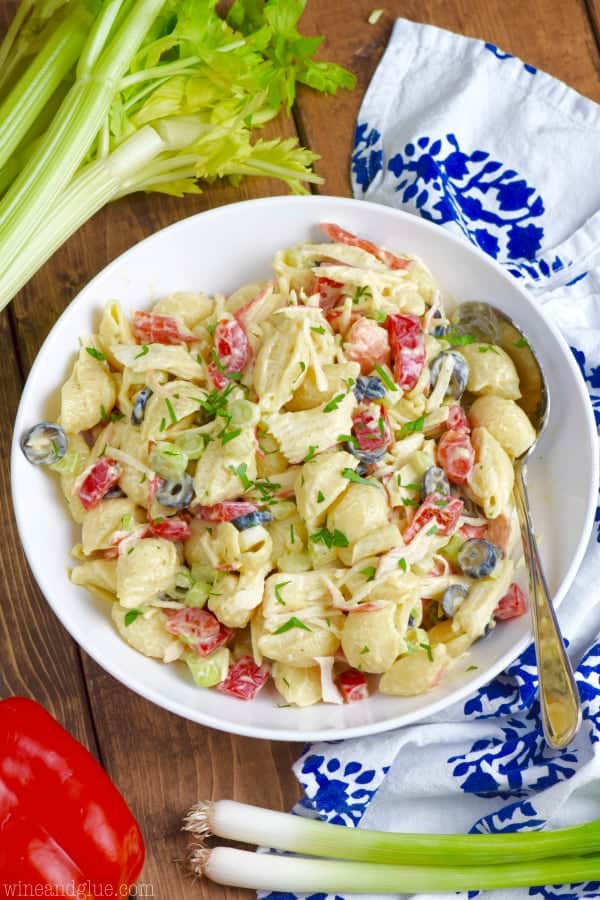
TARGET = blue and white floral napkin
x,y
475,140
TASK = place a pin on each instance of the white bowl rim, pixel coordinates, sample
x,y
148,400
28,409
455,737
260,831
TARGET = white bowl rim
x,y
331,734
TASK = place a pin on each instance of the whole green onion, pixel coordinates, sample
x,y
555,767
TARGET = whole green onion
x,y
282,831
265,872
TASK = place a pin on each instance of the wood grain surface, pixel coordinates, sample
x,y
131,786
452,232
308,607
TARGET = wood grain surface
x,y
160,762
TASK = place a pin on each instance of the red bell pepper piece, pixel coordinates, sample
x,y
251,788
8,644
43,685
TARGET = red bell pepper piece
x,y
456,456
330,292
353,685
63,824
371,428
408,349
245,679
98,482
173,529
231,352
443,513
226,511
513,604
199,629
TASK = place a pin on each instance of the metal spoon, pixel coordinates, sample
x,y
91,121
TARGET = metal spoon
x,y
559,697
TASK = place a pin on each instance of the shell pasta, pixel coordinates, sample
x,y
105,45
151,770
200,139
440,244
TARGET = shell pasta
x,y
308,481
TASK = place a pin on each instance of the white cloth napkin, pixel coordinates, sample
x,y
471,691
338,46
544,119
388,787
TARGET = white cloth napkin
x,y
483,144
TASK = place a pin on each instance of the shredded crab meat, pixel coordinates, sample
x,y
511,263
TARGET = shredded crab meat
x,y
329,689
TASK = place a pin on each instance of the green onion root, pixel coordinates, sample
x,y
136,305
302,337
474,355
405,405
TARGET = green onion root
x,y
266,872
282,831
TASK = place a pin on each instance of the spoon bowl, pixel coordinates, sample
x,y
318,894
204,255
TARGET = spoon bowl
x,y
559,698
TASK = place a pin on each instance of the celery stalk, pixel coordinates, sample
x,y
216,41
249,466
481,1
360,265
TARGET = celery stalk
x,y
70,135
92,188
38,83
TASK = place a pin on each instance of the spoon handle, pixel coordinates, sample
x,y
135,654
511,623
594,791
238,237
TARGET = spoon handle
x,y
559,698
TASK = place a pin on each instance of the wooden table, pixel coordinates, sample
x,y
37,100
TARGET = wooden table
x,y
162,763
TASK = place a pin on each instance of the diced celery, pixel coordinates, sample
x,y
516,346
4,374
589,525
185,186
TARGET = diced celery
x,y
208,670
197,594
203,573
450,551
168,460
68,465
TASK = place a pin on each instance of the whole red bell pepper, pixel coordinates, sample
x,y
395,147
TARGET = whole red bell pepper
x,y
63,823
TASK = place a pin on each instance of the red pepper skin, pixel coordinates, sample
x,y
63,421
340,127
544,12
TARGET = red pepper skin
x,y
62,821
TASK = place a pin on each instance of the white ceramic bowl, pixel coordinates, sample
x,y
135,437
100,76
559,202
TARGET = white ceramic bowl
x,y
218,251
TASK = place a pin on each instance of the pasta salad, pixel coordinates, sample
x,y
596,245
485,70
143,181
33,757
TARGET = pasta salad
x,y
309,480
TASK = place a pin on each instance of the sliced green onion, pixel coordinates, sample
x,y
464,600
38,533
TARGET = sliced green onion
x,y
197,594
243,412
208,670
283,831
168,460
192,443
266,872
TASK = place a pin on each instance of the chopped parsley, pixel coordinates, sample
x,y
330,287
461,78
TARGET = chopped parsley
x,y
459,340
265,487
369,572
96,354
131,615
408,502
329,538
163,424
320,497
278,589
145,349
402,564
285,681
292,535
522,342
427,648
361,292
351,475
472,668
333,403
292,623
432,530
381,426
171,411
440,503
485,348
240,471
386,379
227,436
412,427
127,522
311,452
347,439
364,650
318,329
302,366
